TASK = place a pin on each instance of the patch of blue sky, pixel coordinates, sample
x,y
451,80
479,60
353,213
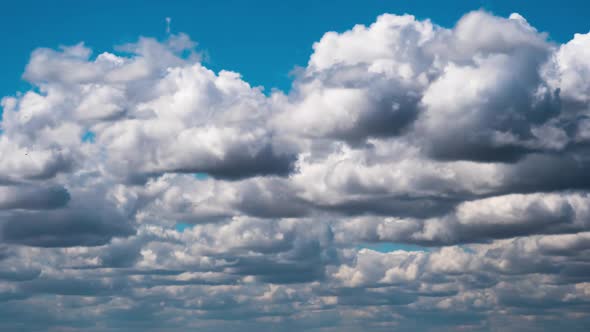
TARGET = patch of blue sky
x,y
88,137
181,227
390,247
201,176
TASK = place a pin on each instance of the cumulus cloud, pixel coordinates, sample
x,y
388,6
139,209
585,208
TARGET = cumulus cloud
x,y
352,92
485,219
415,177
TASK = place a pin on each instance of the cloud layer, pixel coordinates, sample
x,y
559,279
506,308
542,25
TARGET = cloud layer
x,y
415,178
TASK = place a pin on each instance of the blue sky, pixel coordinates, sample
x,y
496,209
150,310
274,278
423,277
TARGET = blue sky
x,y
262,39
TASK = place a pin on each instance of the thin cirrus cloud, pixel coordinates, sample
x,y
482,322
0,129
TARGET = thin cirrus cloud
x,y
467,148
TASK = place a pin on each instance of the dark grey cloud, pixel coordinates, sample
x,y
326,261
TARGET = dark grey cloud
x,y
33,197
67,227
242,164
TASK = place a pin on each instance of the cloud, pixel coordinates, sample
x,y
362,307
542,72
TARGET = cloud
x,y
361,92
86,221
480,220
32,198
415,177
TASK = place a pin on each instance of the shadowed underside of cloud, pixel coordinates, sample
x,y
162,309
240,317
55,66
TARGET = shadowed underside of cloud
x,y
460,153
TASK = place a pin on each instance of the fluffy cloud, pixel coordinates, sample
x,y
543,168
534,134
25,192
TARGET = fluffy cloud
x,y
415,177
352,92
497,217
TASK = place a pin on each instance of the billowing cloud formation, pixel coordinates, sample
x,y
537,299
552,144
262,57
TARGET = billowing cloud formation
x,y
415,178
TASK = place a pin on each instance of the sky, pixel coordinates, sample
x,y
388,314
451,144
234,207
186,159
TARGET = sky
x,y
295,166
261,39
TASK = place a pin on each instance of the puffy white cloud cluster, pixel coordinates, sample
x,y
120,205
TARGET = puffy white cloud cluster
x,y
414,178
